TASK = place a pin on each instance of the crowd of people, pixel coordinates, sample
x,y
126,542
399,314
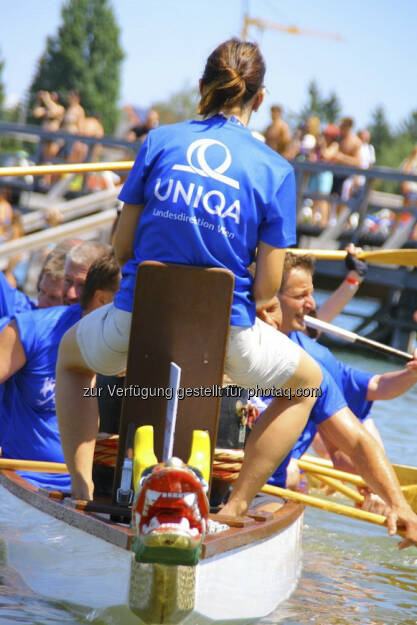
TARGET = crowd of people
x,y
331,143
70,119
79,327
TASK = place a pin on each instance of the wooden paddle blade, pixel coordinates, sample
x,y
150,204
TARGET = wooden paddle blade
x,y
406,474
405,257
410,493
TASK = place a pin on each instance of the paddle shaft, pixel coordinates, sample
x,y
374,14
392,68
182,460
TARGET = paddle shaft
x,y
324,504
337,485
310,467
347,335
33,465
404,256
67,168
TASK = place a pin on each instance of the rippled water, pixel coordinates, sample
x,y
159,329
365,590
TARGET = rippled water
x,y
352,574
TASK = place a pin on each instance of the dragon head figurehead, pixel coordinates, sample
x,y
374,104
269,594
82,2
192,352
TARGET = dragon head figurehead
x,y
170,515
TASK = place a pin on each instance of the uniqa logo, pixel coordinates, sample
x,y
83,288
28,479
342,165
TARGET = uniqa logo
x,y
199,148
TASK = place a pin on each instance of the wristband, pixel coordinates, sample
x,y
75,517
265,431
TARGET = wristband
x,y
353,282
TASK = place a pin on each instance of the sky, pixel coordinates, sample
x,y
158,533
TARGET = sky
x,y
166,43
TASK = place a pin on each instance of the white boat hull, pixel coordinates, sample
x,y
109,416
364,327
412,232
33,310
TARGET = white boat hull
x,y
60,561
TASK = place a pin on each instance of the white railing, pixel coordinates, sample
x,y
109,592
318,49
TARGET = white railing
x,y
75,228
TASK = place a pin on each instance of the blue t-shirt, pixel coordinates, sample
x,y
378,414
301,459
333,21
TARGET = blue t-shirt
x,y
210,192
325,406
3,420
351,381
12,300
32,432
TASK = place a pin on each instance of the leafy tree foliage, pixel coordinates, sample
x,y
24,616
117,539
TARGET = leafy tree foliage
x,y
2,88
85,55
327,109
409,126
180,106
380,130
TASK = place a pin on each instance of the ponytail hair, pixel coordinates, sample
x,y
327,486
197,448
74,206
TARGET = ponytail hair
x,y
234,73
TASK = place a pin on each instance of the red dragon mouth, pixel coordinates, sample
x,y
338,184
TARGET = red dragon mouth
x,y
171,512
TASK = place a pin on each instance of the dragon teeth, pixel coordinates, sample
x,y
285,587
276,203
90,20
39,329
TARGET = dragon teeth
x,y
152,496
185,524
190,499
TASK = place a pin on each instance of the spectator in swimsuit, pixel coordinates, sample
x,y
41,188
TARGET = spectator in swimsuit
x,y
51,112
409,187
93,128
347,154
256,203
278,134
72,122
6,214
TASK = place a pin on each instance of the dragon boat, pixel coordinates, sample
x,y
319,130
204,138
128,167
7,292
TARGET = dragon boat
x,y
153,547
236,574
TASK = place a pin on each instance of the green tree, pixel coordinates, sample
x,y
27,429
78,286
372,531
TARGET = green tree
x,y
327,109
331,109
409,127
180,106
2,88
85,55
380,132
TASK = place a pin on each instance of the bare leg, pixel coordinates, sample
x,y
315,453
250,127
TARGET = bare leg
x,y
273,436
78,417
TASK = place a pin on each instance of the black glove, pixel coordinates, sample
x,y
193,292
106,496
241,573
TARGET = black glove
x,y
354,264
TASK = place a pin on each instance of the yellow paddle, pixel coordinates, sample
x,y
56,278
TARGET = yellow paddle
x,y
310,467
407,475
406,256
33,465
70,168
337,485
324,504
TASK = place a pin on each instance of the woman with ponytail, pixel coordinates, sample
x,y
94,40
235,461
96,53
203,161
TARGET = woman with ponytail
x,y
204,193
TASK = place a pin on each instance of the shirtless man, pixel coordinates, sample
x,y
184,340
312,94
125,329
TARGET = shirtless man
x,y
74,115
278,135
89,127
49,110
52,113
348,152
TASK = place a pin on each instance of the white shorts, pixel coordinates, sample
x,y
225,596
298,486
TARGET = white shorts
x,y
103,339
260,356
256,356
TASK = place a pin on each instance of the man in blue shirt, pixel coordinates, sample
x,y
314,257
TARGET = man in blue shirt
x,y
359,388
28,352
328,404
60,282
